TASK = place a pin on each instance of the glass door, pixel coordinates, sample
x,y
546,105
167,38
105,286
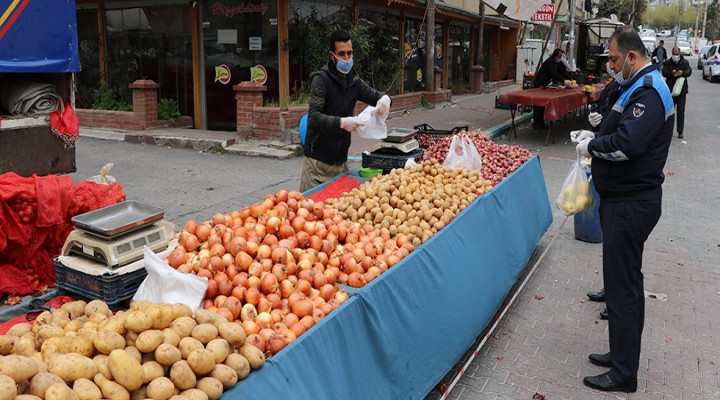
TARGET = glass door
x,y
240,43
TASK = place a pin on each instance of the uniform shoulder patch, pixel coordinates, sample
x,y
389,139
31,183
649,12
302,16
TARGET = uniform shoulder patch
x,y
638,110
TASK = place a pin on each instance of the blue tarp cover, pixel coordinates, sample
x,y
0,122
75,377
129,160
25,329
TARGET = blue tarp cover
x,y
38,36
399,335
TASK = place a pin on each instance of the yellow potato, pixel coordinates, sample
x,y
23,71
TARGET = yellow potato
x,y
7,343
167,354
72,326
125,369
226,375
255,357
240,364
75,309
201,361
195,394
107,341
19,368
181,310
187,345
181,397
171,336
48,331
160,389
162,315
60,391
204,333
208,317
19,330
86,389
148,341
138,321
140,304
27,397
101,363
233,333
219,348
133,351
25,345
152,370
111,390
130,338
97,307
212,387
183,326
40,383
71,367
182,375
115,324
8,388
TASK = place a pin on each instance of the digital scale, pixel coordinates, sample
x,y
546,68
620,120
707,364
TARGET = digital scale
x,y
115,235
400,140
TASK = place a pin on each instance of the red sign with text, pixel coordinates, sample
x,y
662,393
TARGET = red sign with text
x,y
544,14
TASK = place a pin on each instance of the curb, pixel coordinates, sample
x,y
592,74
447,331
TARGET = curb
x,y
251,150
503,127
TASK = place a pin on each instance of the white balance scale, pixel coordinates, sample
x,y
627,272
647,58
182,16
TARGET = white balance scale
x,y
398,140
115,235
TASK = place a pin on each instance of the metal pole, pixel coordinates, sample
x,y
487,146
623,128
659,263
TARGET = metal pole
x,y
705,7
697,19
430,47
571,39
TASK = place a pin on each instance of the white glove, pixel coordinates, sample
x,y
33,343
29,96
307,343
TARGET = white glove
x,y
568,84
578,136
382,107
582,148
349,123
595,119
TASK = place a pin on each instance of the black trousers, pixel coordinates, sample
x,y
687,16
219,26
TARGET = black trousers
x,y
539,117
625,227
680,112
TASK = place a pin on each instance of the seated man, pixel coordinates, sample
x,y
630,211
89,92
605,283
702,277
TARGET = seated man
x,y
548,72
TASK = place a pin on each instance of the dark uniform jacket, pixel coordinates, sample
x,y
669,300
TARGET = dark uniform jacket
x,y
549,72
333,96
660,54
682,65
631,148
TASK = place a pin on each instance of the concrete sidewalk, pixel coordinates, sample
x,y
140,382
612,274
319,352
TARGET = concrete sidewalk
x,y
476,111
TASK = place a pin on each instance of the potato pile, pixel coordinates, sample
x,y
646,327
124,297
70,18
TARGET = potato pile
x,y
416,202
159,351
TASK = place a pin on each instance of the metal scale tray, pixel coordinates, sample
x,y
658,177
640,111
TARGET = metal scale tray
x,y
118,219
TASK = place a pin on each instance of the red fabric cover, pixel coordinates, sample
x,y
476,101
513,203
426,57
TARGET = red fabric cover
x,y
35,219
336,188
557,102
64,122
54,303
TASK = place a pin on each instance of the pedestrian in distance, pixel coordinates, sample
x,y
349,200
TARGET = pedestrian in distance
x,y
659,55
677,66
549,72
629,153
334,90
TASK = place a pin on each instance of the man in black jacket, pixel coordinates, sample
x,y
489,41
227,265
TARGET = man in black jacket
x,y
550,71
673,69
333,93
659,55
629,153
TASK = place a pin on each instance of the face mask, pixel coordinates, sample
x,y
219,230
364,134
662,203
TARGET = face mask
x,y
558,61
676,58
343,66
610,71
620,78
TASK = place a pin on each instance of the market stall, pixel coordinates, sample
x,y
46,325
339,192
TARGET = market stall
x,y
557,101
400,334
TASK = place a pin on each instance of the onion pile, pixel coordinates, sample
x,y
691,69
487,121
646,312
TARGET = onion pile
x,y
414,202
499,160
275,266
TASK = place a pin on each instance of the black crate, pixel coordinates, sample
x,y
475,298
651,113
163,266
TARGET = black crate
x,y
388,161
109,287
428,136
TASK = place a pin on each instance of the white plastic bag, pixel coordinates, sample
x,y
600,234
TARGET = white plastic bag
x,y
104,177
410,163
164,284
678,86
575,195
463,154
373,127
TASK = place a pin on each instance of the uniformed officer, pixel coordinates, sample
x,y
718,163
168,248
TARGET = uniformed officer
x,y
629,153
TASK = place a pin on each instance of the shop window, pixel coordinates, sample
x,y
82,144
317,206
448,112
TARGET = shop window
x,y
414,53
379,33
459,58
88,79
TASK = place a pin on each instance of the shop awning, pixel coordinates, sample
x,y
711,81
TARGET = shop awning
x,y
521,10
601,28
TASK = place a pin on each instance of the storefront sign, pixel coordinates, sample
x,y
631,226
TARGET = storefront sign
x,y
228,36
255,43
258,74
245,8
544,14
222,74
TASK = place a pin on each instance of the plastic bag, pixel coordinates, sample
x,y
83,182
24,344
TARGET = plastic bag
x,y
463,154
373,127
104,178
678,86
575,195
164,284
410,163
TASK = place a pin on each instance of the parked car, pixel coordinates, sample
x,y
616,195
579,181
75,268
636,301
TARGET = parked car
x,y
684,48
683,34
702,54
650,43
665,33
711,63
647,32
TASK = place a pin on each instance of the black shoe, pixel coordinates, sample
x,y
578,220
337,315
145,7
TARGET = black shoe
x,y
603,360
597,296
680,135
604,383
604,314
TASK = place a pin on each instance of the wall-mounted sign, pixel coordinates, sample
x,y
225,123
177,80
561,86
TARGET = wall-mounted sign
x,y
544,14
273,21
244,8
258,74
228,36
222,74
255,43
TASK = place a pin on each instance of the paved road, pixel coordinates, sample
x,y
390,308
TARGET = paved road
x,y
542,345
